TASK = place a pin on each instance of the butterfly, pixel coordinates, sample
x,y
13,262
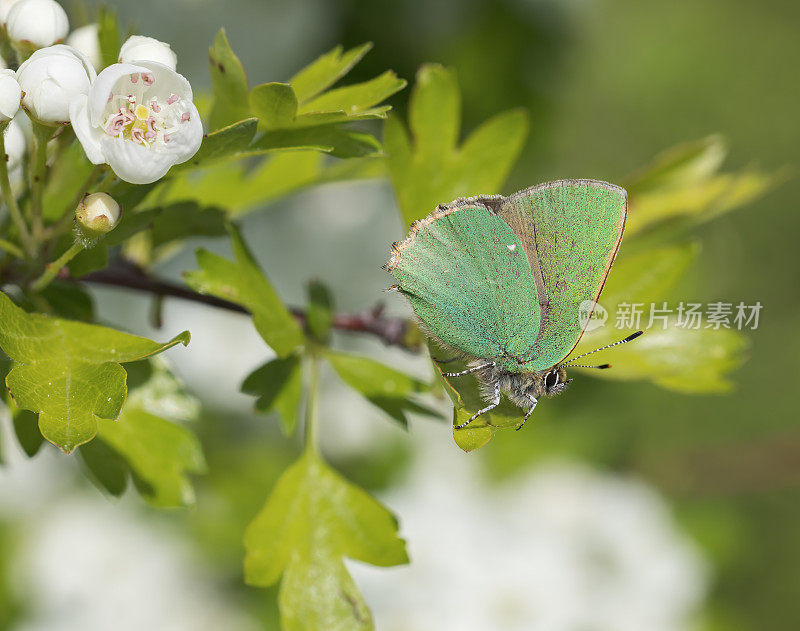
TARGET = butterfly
x,y
503,282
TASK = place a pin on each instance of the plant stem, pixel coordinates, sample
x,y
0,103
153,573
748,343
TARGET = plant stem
x,y
52,269
67,217
311,428
11,249
38,171
11,201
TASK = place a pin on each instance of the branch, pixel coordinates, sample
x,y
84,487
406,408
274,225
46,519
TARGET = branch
x,y
392,331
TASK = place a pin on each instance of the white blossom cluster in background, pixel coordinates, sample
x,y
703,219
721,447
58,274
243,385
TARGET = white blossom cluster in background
x,y
86,563
560,548
136,115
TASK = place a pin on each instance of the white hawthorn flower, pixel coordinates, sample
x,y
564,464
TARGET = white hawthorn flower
x,y
51,78
139,119
98,213
85,40
15,144
5,7
37,23
140,48
10,95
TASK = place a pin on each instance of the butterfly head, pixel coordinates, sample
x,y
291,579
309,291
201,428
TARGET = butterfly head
x,y
554,381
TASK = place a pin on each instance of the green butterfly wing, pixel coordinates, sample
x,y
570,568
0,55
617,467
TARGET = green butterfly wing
x,y
469,281
571,231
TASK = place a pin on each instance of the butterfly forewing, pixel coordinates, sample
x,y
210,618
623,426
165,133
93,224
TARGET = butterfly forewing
x,y
469,281
571,231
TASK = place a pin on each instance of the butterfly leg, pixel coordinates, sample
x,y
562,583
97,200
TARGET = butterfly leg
x,y
468,370
528,413
495,402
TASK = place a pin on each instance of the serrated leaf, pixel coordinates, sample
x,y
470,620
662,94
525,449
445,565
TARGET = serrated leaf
x,y
184,220
384,387
326,118
278,384
65,180
312,520
224,143
89,260
105,466
353,99
229,83
681,187
69,372
333,139
159,452
428,168
241,281
681,165
325,71
274,104
465,392
684,359
238,190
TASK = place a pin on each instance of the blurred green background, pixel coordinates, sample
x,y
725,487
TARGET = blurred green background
x,y
608,84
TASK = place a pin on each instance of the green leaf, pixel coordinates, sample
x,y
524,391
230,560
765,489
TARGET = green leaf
x,y
683,359
69,372
319,316
274,104
224,143
312,520
682,188
687,360
26,428
333,139
464,392
105,466
242,282
325,71
428,167
237,189
356,98
384,387
159,452
187,219
229,83
65,179
89,260
108,36
278,384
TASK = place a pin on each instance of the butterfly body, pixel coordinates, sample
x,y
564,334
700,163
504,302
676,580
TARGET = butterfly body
x,y
501,280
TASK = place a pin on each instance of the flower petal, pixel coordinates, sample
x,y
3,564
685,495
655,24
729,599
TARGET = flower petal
x,y
184,143
167,81
104,85
88,136
135,163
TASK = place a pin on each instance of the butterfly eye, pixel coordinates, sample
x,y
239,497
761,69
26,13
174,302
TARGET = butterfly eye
x,y
551,379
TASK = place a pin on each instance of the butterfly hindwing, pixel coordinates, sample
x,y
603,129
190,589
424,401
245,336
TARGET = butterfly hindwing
x,y
468,278
571,231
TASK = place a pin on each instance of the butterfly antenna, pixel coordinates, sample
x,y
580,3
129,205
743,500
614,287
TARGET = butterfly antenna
x,y
602,366
630,338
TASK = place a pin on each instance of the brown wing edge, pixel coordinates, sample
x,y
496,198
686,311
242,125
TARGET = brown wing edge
x,y
596,184
490,202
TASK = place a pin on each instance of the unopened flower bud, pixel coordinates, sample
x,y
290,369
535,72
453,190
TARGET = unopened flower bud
x,y
5,7
140,48
10,95
86,40
51,78
33,24
97,214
